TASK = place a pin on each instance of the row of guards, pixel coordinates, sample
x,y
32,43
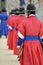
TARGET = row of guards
x,y
25,36
3,24
4,17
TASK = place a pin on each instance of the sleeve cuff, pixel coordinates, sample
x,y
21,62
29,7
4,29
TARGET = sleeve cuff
x,y
18,46
10,27
20,41
41,39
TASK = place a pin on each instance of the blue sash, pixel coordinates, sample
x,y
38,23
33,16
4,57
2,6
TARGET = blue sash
x,y
28,38
14,28
31,38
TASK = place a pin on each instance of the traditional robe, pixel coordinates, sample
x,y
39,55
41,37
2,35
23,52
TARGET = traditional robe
x,y
16,24
30,32
0,23
4,17
10,34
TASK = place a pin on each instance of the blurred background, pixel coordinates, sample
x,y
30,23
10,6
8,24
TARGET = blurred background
x,y
12,4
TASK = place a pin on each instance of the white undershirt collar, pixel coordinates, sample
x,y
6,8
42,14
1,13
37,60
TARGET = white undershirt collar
x,y
31,15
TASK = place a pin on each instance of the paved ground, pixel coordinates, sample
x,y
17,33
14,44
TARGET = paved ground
x,y
6,56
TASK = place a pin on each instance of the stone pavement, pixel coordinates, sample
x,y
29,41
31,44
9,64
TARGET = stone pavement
x,y
6,56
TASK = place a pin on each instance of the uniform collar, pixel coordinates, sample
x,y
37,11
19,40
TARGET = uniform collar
x,y
21,14
31,15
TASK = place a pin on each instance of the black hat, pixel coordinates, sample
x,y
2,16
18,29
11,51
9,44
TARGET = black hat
x,y
31,7
3,10
17,12
16,9
12,11
22,10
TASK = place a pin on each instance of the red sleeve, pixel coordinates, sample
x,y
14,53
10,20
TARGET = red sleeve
x,y
41,29
15,24
21,28
9,21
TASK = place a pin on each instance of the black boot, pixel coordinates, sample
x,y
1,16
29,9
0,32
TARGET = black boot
x,y
5,35
0,36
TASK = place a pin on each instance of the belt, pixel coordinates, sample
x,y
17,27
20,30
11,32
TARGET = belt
x,y
31,38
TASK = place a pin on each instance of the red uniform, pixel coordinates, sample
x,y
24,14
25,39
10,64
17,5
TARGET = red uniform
x,y
14,21
10,35
17,21
31,29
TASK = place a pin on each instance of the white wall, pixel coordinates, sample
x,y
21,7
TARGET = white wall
x,y
11,4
